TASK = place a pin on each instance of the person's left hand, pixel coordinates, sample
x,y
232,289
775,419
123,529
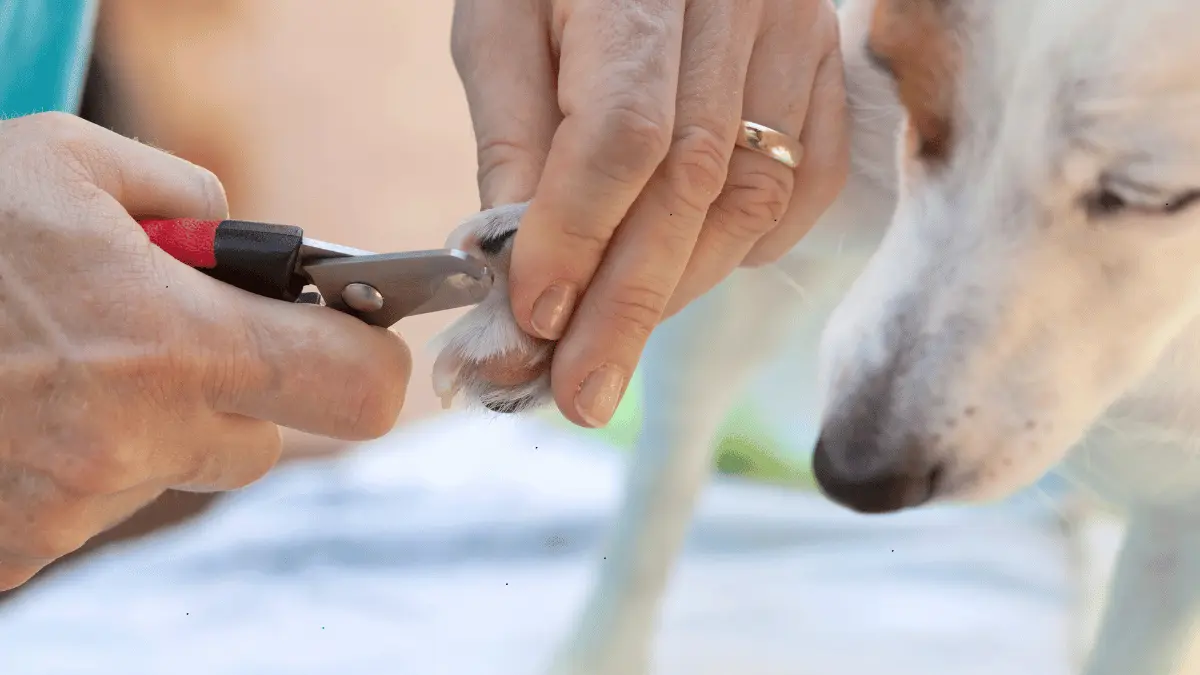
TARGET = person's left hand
x,y
618,118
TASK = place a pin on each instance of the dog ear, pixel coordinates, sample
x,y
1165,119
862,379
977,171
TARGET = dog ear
x,y
913,40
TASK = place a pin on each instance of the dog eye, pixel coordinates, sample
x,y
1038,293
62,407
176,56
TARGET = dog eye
x,y
1111,202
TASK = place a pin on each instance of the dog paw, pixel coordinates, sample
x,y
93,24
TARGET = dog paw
x,y
485,356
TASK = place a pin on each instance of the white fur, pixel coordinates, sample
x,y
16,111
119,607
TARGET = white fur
x,y
997,297
999,293
488,331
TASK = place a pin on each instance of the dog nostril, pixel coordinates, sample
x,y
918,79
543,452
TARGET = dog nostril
x,y
885,488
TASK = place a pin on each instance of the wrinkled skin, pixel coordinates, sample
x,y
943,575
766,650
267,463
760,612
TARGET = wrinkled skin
x,y
616,121
126,373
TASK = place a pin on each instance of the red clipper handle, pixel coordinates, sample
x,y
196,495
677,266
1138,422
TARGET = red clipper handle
x,y
256,257
190,241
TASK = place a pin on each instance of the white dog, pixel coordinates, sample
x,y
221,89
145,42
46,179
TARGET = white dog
x,y
1036,292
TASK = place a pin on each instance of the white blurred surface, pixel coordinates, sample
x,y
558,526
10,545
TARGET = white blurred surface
x,y
465,545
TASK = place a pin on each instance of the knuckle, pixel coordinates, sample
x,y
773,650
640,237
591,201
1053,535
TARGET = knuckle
x,y
698,166
82,156
53,123
633,140
584,241
754,201
41,133
496,152
168,376
635,310
96,467
61,141
224,374
99,471
497,156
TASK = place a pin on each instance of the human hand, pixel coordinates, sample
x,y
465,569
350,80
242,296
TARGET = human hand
x,y
618,118
126,373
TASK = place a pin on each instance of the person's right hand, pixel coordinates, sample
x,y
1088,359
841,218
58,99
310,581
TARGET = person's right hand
x,y
124,373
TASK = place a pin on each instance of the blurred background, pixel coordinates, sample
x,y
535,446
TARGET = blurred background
x,y
463,544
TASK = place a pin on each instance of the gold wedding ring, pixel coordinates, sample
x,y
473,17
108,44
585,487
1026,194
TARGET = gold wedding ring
x,y
774,144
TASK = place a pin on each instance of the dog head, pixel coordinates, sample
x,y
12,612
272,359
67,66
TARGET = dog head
x,y
1044,251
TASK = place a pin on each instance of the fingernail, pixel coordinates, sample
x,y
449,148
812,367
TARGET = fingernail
x,y
552,310
597,399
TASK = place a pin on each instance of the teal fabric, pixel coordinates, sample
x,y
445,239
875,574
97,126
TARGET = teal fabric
x,y
45,47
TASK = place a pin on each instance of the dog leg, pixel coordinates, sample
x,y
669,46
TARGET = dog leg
x,y
1150,623
1075,532
695,366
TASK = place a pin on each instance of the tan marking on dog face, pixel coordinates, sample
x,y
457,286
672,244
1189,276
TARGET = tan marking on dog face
x,y
911,39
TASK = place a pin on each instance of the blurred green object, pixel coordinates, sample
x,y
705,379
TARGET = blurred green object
x,y
744,448
45,48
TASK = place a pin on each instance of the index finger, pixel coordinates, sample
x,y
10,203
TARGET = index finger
x,y
617,84
143,179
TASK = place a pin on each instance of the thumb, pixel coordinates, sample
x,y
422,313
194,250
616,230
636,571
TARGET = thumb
x,y
502,54
310,368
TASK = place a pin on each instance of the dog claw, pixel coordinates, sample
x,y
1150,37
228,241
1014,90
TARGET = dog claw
x,y
446,384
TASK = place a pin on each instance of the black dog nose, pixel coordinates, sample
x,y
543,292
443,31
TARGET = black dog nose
x,y
873,487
